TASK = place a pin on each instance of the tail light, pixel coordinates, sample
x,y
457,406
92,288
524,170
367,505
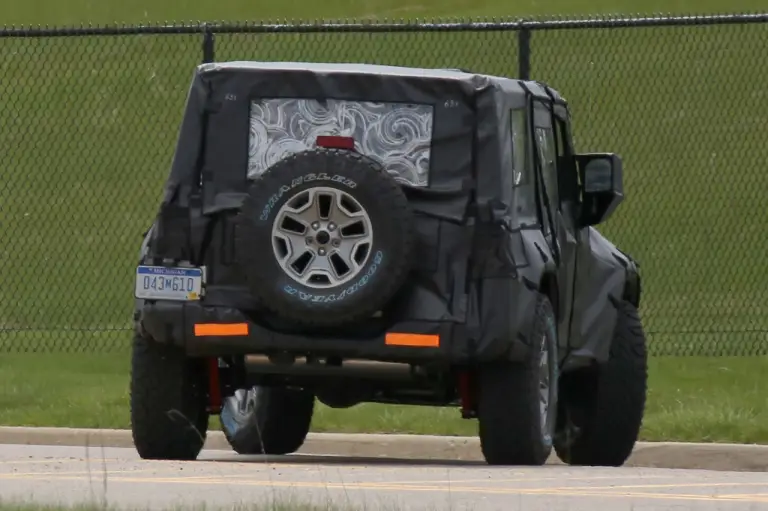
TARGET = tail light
x,y
334,142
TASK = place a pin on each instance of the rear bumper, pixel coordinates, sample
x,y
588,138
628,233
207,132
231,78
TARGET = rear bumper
x,y
220,331
212,331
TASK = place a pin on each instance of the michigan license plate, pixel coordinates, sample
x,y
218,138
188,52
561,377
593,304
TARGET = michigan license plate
x,y
161,283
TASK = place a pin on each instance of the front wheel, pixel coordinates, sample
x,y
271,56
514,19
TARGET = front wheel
x,y
602,409
517,402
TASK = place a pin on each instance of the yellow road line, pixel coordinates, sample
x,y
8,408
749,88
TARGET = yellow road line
x,y
528,479
459,481
564,491
579,488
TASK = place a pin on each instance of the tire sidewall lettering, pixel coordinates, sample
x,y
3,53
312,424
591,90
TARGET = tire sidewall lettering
x,y
307,295
274,289
312,177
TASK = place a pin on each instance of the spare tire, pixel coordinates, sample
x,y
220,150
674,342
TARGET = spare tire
x,y
324,237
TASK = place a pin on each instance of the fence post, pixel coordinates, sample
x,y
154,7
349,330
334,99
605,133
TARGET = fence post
x,y
208,44
524,52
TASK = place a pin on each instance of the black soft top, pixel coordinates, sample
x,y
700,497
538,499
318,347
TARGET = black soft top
x,y
471,151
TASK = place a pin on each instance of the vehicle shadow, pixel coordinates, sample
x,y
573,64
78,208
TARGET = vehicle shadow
x,y
315,459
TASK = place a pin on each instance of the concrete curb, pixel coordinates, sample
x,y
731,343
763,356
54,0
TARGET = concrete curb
x,y
735,457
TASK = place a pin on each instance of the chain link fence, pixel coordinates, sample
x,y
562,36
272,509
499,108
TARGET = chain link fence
x,y
90,117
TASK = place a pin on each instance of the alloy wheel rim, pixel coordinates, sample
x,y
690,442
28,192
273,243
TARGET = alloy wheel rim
x,y
322,237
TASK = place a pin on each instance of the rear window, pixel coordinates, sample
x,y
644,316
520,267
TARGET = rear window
x,y
397,135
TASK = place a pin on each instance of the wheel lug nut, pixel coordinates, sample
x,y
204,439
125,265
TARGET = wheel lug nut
x,y
331,226
315,225
321,251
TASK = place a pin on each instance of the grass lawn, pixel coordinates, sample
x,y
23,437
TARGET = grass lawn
x,y
89,130
74,12
89,126
717,399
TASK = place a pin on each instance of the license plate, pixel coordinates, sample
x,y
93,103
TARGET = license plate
x,y
161,283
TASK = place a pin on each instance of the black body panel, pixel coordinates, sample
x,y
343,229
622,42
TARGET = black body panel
x,y
480,259
174,323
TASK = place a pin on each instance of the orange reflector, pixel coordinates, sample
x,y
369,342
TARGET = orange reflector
x,y
220,329
416,340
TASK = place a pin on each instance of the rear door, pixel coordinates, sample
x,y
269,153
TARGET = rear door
x,y
558,220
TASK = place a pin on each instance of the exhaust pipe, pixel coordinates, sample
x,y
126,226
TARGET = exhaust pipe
x,y
287,364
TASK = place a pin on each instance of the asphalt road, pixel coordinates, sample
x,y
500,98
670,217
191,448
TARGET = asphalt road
x,y
117,475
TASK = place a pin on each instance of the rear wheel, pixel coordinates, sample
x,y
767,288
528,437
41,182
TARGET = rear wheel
x,y
267,420
602,409
168,395
517,402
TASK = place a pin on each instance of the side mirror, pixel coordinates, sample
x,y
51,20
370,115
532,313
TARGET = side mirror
x,y
602,186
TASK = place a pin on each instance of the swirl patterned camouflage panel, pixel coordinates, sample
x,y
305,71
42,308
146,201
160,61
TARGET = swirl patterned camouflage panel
x,y
398,135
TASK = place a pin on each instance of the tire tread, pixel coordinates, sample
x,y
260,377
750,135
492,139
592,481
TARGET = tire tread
x,y
280,423
508,405
614,414
168,401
